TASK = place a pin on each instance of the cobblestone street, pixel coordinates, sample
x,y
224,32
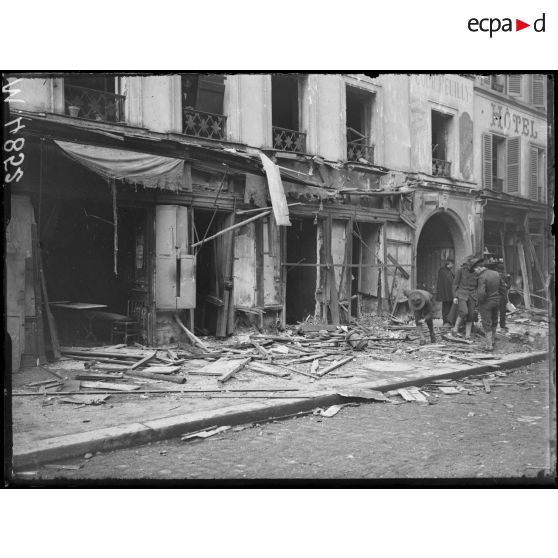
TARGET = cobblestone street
x,y
504,433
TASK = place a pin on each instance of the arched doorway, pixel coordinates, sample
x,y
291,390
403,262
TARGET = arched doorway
x,y
440,238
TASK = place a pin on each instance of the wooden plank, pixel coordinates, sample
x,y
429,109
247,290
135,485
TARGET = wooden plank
x,y
109,386
335,365
276,191
150,376
190,335
402,271
407,395
162,369
143,360
486,385
525,276
95,377
231,368
231,228
268,370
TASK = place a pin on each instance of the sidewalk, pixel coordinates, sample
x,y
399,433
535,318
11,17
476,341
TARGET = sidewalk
x,y
46,429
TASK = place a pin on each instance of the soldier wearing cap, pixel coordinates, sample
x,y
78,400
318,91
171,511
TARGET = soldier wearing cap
x,y
465,295
420,302
489,290
444,290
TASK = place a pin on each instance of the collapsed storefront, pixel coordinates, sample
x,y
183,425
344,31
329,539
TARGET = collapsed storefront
x,y
515,233
116,234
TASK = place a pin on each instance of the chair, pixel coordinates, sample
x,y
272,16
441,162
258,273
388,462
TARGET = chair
x,y
126,328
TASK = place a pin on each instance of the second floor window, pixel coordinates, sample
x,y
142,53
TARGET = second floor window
x,y
441,123
286,113
501,163
359,122
94,97
202,105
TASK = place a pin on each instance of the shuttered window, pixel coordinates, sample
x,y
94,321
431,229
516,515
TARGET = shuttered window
x,y
513,176
211,90
534,174
514,85
487,161
537,90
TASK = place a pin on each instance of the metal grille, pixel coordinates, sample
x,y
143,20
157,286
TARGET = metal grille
x,y
441,168
360,152
93,104
204,124
288,140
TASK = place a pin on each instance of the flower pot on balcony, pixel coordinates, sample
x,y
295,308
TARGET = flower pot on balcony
x,y
73,111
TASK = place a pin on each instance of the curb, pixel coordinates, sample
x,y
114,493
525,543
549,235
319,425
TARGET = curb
x,y
137,433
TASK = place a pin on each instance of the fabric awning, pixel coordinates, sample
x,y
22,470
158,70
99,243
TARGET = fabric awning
x,y
150,171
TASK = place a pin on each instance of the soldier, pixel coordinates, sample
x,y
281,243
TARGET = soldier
x,y
465,295
490,288
420,302
444,289
504,298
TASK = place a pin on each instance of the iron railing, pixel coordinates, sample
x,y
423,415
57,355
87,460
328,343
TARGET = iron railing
x,y
441,167
204,124
288,140
94,104
360,152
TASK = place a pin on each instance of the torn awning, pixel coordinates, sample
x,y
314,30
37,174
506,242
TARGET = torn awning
x,y
150,171
276,191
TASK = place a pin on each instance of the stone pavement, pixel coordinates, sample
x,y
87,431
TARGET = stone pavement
x,y
45,429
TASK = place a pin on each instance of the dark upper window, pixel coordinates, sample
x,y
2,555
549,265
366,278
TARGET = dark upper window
x,y
286,113
93,96
440,143
359,118
202,105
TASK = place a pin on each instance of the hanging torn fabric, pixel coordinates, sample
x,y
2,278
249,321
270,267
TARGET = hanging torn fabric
x,y
150,171
276,191
115,224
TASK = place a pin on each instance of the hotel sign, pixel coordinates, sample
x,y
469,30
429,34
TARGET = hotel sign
x,y
505,119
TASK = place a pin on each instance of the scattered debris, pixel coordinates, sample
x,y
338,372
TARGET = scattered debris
x,y
449,390
330,411
359,393
60,467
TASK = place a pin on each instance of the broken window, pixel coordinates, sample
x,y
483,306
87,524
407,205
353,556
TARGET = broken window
x,y
286,113
441,124
202,105
95,97
359,118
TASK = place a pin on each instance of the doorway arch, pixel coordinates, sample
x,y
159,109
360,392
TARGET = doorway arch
x,y
441,236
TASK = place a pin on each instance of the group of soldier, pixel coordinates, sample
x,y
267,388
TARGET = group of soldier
x,y
478,287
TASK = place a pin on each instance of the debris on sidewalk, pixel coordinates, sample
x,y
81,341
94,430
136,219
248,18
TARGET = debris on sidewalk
x,y
205,433
329,412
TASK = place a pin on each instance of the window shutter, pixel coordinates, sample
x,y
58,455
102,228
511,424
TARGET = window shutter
x,y
537,90
175,286
211,91
514,84
487,161
514,158
534,174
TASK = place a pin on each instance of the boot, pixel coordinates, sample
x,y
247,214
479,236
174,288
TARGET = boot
x,y
422,340
455,329
432,337
489,341
494,337
468,328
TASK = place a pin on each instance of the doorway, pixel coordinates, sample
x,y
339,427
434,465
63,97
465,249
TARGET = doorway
x,y
301,275
435,245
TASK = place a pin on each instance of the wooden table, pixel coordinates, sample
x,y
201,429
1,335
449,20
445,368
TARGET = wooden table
x,y
81,308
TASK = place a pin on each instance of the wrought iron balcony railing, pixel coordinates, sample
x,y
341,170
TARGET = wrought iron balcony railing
x,y
497,184
441,168
288,140
360,152
204,124
93,104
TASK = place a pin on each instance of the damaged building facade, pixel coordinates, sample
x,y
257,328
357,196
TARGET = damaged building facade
x,y
150,206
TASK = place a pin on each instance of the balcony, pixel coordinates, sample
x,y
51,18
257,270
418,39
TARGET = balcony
x,y
205,125
288,140
93,104
497,184
360,152
441,167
